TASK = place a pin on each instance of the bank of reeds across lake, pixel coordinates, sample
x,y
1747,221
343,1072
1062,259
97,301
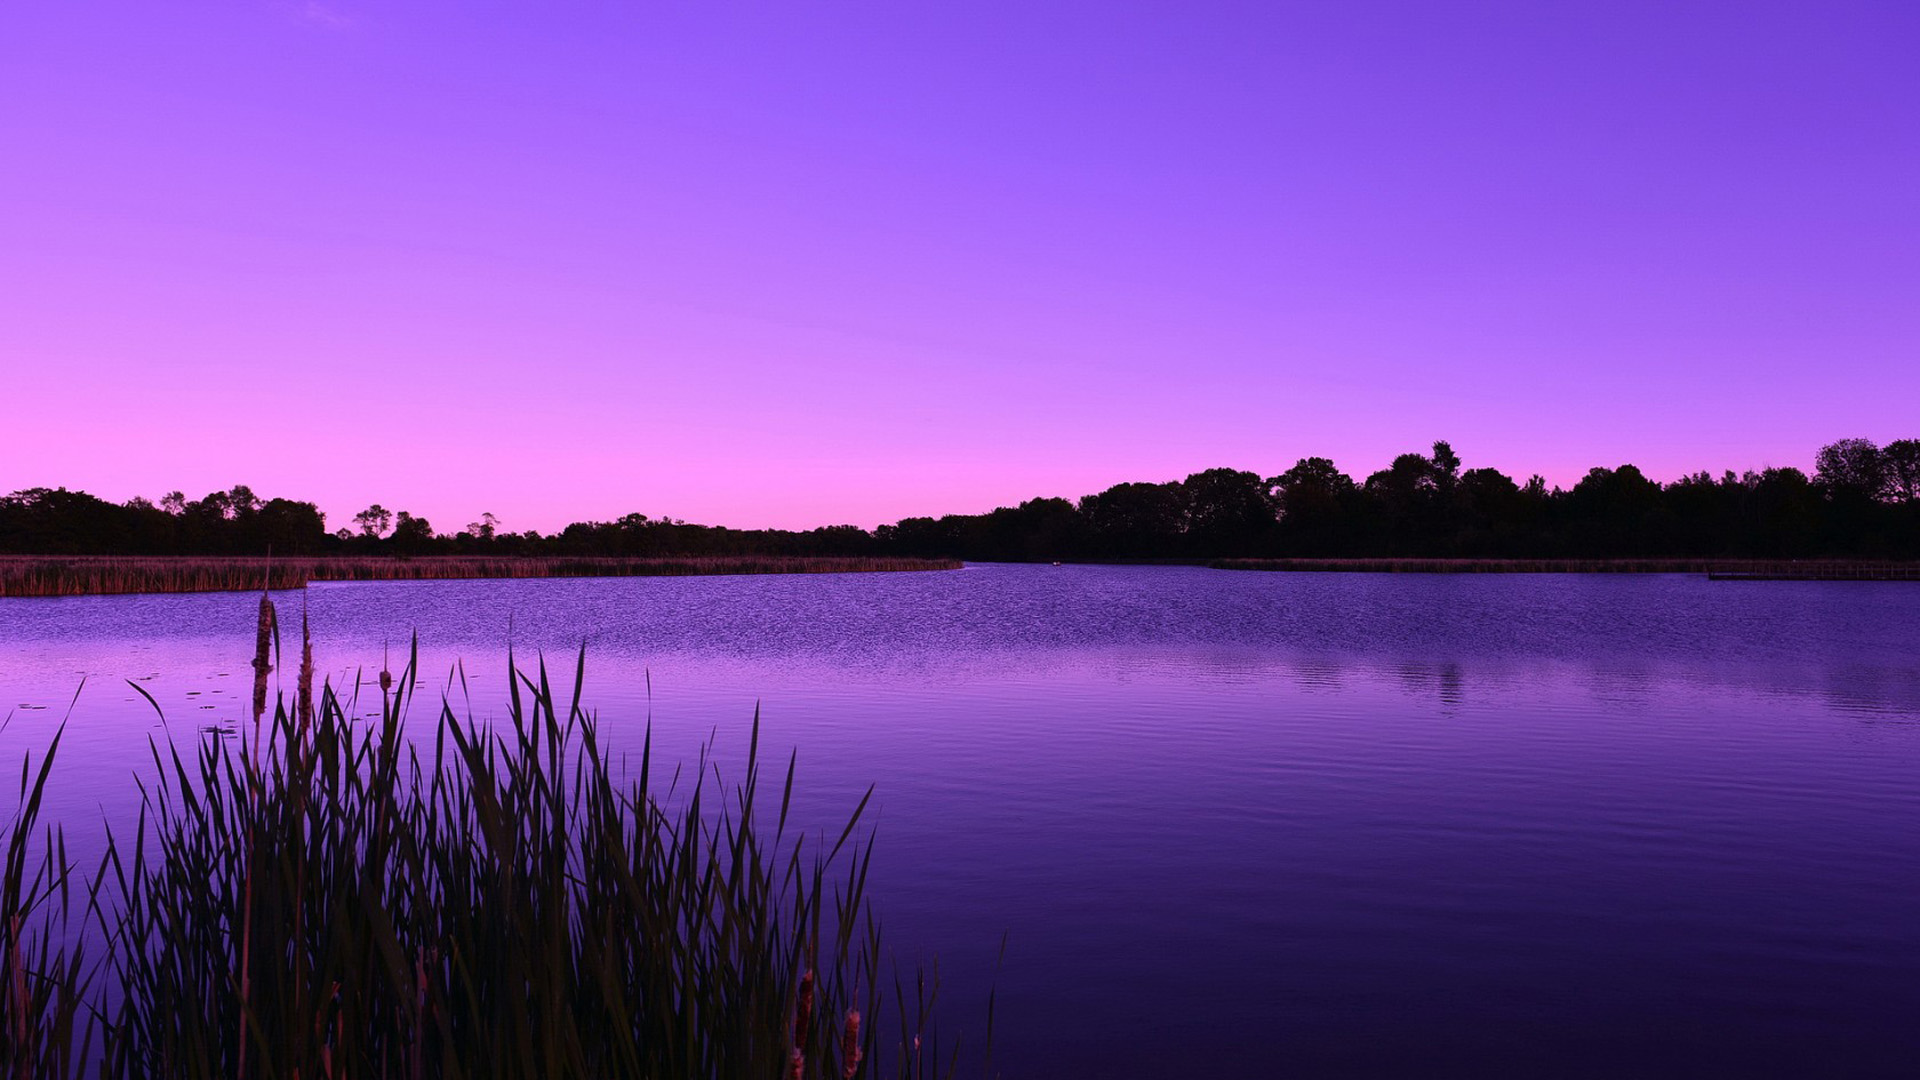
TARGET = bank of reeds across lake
x,y
35,575
1718,569
319,898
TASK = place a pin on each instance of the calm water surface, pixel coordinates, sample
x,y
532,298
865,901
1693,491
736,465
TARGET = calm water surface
x,y
1232,824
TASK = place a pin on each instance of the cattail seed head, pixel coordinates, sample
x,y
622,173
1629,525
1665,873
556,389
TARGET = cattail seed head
x,y
803,1013
305,686
262,643
850,1053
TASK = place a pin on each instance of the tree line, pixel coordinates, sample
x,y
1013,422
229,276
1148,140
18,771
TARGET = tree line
x,y
1862,500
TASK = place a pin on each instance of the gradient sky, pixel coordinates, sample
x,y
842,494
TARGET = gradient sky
x,y
800,264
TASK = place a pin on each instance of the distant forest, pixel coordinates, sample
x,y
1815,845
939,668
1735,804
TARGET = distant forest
x,y
1862,501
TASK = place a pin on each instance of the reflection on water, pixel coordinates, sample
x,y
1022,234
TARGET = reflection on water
x,y
1233,823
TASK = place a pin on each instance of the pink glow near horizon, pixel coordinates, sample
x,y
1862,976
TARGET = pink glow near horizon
x,y
809,266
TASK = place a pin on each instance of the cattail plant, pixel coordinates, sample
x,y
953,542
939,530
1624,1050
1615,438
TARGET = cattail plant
x,y
266,637
303,687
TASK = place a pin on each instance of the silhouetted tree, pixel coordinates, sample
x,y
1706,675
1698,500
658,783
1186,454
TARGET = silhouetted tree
x,y
1314,500
288,528
374,520
1611,511
1403,501
411,535
1136,520
1782,513
1035,530
1229,513
1446,465
1901,459
58,520
1853,476
1706,514
241,501
1491,515
1851,470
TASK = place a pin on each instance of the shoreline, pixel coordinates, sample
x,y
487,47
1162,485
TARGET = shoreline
x,y
51,576
44,576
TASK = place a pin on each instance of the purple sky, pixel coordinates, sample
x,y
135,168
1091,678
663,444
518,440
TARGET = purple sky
x,y
801,264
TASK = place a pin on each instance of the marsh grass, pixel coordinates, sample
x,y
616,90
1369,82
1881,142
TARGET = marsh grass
x,y
46,1006
38,575
324,898
1755,569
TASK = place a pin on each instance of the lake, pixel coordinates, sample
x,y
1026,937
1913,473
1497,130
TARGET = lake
x,y
1228,823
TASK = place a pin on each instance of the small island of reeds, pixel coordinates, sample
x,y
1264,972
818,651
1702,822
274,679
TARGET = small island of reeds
x,y
75,575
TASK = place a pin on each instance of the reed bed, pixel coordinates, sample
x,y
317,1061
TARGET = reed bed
x,y
34,575
1731,569
322,899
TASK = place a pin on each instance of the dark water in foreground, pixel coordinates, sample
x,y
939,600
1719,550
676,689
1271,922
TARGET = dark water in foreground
x,y
1235,824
